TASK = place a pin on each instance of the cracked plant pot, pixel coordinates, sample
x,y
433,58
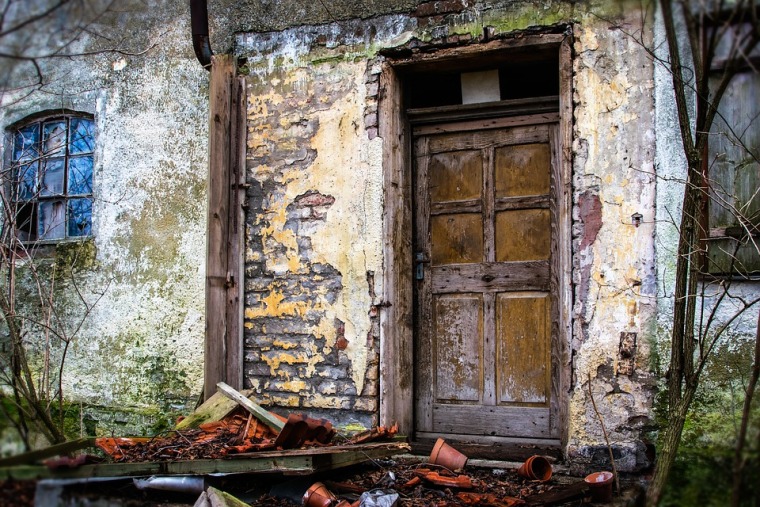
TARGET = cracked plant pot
x,y
445,455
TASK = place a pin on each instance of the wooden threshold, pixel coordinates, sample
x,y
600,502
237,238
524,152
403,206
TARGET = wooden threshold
x,y
491,448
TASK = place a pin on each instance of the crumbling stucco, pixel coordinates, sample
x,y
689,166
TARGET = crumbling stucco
x,y
140,347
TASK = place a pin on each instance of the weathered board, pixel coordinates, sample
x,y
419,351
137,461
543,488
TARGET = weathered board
x,y
295,462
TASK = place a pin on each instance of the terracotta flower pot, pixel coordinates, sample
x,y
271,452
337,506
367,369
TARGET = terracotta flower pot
x,y
536,468
445,455
318,496
600,484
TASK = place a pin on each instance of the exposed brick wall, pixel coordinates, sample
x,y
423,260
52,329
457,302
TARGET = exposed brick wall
x,y
297,354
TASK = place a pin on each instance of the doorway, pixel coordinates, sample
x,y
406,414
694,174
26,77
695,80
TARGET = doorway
x,y
474,339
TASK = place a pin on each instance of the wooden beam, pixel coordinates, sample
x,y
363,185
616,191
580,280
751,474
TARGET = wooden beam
x,y
396,345
213,409
259,412
223,342
235,221
48,452
294,462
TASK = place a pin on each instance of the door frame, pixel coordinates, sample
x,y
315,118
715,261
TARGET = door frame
x,y
396,320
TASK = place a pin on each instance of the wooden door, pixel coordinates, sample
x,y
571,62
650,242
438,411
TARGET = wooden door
x,y
486,305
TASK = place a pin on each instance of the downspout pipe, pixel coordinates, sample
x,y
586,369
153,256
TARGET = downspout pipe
x,y
199,23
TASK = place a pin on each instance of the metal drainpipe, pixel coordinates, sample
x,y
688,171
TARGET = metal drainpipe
x,y
199,22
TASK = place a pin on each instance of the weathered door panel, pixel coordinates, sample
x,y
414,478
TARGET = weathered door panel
x,y
484,238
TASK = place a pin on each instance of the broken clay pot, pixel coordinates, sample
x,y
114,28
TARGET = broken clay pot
x,y
318,496
600,484
536,468
445,455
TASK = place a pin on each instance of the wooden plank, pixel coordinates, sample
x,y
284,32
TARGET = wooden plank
x,y
396,344
487,447
522,170
489,349
491,277
424,341
215,356
490,123
215,408
523,349
458,332
484,138
492,114
236,237
388,448
469,206
289,461
218,498
295,464
523,235
48,452
260,413
522,202
456,238
556,331
522,421
458,176
562,171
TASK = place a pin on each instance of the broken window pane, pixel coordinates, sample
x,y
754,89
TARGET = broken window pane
x,y
52,220
80,175
52,169
82,136
26,221
80,217
27,181
51,177
54,138
25,143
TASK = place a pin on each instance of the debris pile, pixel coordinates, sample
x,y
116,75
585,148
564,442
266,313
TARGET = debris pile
x,y
230,436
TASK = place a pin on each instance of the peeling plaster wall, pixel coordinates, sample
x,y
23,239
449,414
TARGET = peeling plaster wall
x,y
613,261
312,129
314,241
139,355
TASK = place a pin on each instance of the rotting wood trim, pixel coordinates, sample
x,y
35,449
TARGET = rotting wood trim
x,y
564,224
499,110
396,358
223,359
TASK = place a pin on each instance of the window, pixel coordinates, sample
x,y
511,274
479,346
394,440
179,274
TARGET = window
x,y
51,164
732,212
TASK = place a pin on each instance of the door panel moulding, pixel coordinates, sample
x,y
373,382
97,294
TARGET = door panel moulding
x,y
396,124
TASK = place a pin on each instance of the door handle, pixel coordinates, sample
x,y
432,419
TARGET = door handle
x,y
419,270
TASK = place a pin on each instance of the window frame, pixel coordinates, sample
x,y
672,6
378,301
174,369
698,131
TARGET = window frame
x,y
719,236
61,191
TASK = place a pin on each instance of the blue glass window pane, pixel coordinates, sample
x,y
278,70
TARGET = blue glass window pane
x,y
52,220
82,136
51,177
80,217
26,176
80,175
54,138
26,143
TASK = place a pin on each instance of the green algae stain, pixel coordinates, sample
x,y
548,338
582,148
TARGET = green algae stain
x,y
175,200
